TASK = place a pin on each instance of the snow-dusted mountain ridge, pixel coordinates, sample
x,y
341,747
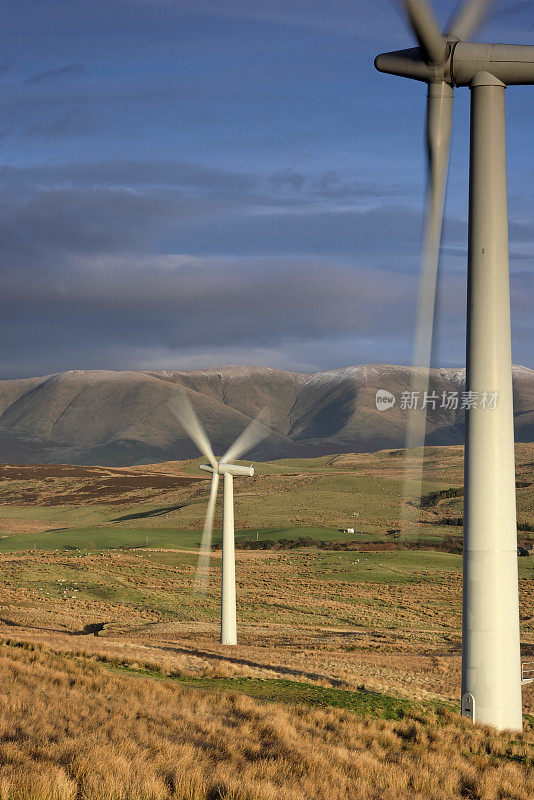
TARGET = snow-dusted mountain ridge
x,y
122,418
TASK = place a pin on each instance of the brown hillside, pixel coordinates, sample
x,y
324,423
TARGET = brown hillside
x,y
122,418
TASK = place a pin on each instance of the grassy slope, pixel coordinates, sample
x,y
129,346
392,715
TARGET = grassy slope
x,y
78,738
310,494
280,690
346,610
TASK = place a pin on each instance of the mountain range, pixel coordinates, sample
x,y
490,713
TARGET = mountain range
x,y
122,418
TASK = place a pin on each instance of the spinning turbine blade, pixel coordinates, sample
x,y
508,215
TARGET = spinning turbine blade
x,y
468,18
203,564
254,433
438,135
426,30
183,410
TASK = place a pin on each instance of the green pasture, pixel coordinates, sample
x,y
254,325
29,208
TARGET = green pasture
x,y
400,566
397,566
94,539
294,534
328,496
99,538
109,537
160,582
279,466
324,500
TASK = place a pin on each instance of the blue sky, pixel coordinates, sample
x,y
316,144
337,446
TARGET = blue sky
x,y
191,183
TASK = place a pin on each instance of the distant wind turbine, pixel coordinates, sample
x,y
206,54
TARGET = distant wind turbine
x,y
249,438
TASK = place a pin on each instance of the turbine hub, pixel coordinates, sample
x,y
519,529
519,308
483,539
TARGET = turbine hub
x,y
231,469
410,64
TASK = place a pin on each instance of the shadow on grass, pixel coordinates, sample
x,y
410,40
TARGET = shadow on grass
x,y
11,623
155,512
193,651
93,628
57,530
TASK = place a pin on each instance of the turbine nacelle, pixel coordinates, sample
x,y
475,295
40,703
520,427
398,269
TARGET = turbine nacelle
x,y
509,63
512,64
236,470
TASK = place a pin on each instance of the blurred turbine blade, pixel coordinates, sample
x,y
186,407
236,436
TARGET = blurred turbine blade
x,y
438,137
203,563
183,411
426,30
468,17
254,433
438,134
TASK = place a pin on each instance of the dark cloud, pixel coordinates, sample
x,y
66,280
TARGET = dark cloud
x,y
128,173
330,186
288,177
264,198
131,264
87,263
175,311
392,232
74,123
69,70
175,305
57,223
166,207
252,294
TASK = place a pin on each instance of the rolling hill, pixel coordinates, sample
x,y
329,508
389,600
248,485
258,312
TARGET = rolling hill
x,y
122,418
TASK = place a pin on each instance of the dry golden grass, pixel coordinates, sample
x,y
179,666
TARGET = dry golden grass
x,y
71,731
27,525
400,638
439,462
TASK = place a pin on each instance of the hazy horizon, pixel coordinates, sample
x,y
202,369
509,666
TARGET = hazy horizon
x,y
215,367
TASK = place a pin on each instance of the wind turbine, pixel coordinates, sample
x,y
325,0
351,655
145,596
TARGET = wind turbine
x,y
491,664
182,409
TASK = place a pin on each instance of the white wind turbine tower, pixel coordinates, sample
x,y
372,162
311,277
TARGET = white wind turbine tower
x,y
491,668
254,433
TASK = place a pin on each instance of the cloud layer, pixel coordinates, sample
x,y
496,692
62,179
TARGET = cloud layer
x,y
200,183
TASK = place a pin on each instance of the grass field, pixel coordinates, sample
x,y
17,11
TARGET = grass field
x,y
78,738
321,493
371,632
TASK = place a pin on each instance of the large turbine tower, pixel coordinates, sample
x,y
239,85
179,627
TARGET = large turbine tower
x,y
182,409
491,669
